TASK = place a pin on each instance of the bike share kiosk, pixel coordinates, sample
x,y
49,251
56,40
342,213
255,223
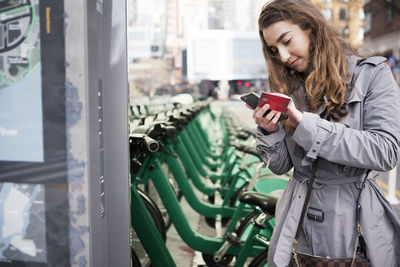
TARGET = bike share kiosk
x,y
64,186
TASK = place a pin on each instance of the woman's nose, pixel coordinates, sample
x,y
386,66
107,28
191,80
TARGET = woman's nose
x,y
284,55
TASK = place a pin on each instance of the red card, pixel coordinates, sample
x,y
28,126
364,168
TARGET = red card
x,y
276,101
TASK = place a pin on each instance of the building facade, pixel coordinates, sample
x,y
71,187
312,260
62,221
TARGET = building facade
x,y
382,32
347,16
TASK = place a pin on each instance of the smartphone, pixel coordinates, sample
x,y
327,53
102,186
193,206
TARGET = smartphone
x,y
252,100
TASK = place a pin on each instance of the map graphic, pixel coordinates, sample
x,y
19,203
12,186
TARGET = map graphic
x,y
22,224
22,209
21,119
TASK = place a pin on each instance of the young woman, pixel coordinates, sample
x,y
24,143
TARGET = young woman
x,y
346,113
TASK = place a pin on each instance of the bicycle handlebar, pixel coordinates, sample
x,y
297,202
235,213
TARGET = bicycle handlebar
x,y
151,144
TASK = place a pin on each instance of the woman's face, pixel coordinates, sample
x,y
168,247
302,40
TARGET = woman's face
x,y
289,43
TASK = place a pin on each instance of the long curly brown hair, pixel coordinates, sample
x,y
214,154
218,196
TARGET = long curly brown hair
x,y
326,74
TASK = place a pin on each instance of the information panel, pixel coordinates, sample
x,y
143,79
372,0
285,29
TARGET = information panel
x,y
22,220
21,128
34,221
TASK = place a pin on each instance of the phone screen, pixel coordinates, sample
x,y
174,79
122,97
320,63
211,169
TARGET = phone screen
x,y
251,99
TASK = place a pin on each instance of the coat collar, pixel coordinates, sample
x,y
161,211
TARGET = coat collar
x,y
352,94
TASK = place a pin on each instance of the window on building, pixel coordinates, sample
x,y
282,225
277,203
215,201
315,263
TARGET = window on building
x,y
155,48
360,33
327,14
361,14
344,32
343,14
367,21
389,11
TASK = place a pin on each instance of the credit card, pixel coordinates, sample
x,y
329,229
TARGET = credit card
x,y
276,101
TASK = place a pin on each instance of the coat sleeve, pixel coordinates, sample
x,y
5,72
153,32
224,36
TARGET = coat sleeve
x,y
273,150
375,145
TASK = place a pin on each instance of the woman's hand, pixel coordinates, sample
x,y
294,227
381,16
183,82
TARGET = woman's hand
x,y
294,114
268,122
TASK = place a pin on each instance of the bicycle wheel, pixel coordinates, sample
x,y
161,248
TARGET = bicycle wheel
x,y
260,260
155,213
209,260
135,262
139,256
151,191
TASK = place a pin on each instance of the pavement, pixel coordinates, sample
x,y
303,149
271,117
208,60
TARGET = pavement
x,y
183,255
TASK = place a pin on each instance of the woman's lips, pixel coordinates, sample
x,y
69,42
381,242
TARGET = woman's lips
x,y
294,62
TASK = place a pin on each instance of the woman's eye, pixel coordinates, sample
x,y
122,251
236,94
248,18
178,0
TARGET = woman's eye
x,y
287,42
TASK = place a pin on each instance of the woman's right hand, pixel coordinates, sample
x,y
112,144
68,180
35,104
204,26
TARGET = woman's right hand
x,y
270,121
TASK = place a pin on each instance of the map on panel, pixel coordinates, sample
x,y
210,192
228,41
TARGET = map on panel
x,y
22,223
22,209
21,119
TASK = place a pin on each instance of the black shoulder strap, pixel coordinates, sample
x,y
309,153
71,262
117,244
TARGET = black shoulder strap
x,y
358,210
307,199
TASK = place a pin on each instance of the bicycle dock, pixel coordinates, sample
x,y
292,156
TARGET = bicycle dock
x,y
196,168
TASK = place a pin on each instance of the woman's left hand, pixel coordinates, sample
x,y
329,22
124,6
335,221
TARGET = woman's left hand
x,y
294,114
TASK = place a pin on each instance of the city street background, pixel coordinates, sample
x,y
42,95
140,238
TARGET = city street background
x,y
183,50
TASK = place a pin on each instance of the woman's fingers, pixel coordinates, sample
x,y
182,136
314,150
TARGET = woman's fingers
x,y
268,121
261,111
276,117
255,112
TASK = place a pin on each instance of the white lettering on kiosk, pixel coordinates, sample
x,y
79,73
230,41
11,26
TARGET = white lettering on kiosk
x,y
8,132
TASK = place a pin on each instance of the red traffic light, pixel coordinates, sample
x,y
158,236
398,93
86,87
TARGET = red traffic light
x,y
239,82
247,84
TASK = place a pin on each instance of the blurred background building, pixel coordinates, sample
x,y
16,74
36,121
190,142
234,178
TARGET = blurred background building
x,y
207,46
347,16
382,31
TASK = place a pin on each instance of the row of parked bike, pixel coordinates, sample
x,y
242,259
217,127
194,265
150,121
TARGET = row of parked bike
x,y
178,150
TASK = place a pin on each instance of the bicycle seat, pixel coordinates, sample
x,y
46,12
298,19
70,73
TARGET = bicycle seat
x,y
187,114
266,202
250,131
252,150
242,135
178,121
247,149
157,130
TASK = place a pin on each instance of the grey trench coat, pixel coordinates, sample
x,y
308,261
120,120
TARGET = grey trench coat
x,y
368,138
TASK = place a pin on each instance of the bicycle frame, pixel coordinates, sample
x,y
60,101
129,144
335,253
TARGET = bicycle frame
x,y
193,239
